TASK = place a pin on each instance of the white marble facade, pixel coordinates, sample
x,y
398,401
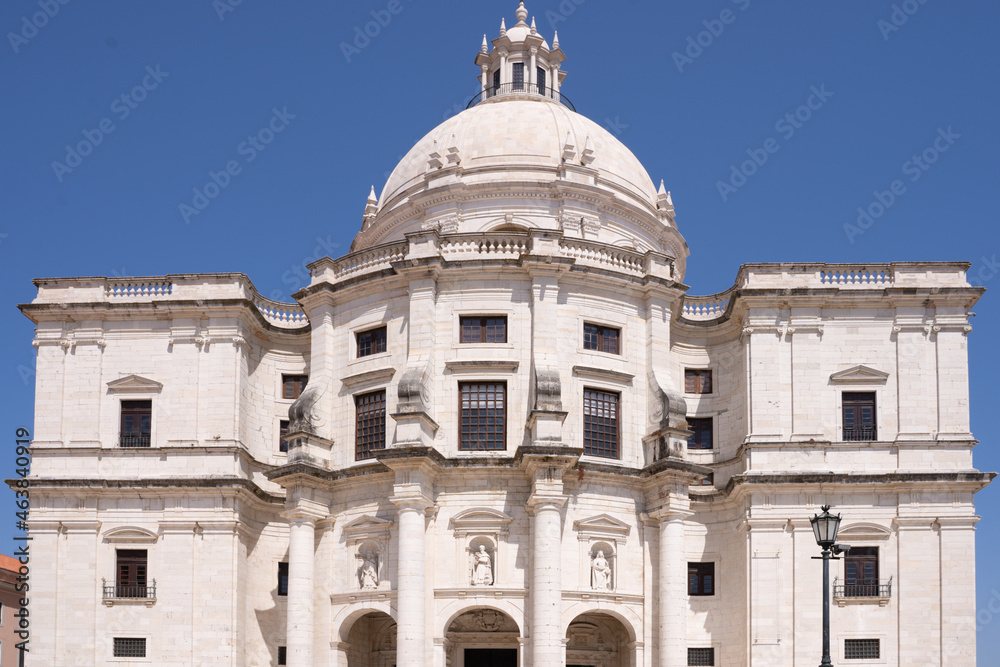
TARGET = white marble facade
x,y
556,548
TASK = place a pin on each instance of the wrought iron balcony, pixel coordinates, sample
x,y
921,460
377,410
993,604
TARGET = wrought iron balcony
x,y
119,592
133,440
861,434
521,89
876,591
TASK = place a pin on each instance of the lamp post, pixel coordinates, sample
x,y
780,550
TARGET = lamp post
x,y
825,527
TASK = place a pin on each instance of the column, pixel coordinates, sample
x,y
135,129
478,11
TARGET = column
x,y
546,583
673,596
532,75
301,561
411,619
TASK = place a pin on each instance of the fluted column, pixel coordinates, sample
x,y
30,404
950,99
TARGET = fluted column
x,y
546,583
411,621
672,612
301,561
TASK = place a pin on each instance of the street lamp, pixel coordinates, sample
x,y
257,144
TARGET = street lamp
x,y
825,527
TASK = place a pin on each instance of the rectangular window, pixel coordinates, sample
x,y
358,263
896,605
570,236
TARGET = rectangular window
x,y
282,578
697,381
496,82
136,424
369,422
859,415
479,329
701,657
701,578
708,480
130,577
601,338
130,647
701,433
540,76
600,423
292,385
518,76
861,572
282,655
371,342
482,408
862,649
282,432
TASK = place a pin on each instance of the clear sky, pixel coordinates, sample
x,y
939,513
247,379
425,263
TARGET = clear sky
x,y
161,94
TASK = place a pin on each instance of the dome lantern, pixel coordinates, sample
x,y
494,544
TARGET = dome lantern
x,y
521,64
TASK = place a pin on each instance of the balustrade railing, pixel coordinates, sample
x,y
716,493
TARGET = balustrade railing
x,y
130,591
521,89
862,589
604,256
367,261
133,440
137,288
702,308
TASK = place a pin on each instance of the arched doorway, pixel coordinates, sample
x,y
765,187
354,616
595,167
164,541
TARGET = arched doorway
x,y
371,641
483,638
597,640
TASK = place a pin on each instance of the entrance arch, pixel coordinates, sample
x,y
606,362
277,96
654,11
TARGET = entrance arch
x,y
371,641
483,637
595,639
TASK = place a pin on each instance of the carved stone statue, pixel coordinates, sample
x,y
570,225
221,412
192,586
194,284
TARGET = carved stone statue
x,y
482,568
369,572
601,572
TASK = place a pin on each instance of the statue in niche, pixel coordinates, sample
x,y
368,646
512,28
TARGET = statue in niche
x,y
482,568
601,572
368,573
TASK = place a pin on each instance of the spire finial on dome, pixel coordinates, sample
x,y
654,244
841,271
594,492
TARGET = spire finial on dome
x,y
503,28
555,40
663,200
371,208
522,14
534,30
485,48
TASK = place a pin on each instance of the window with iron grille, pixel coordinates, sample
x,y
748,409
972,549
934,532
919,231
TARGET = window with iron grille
x,y
701,657
862,649
540,76
282,432
282,578
483,329
371,342
496,81
369,432
292,385
861,572
482,414
701,433
601,338
136,424
130,577
282,655
701,578
697,381
130,647
859,415
600,423
518,76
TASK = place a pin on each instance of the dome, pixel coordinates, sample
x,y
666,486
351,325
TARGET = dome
x,y
499,141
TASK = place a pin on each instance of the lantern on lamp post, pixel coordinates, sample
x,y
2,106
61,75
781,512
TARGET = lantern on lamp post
x,y
825,527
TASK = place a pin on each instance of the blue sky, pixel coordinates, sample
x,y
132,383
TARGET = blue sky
x,y
169,92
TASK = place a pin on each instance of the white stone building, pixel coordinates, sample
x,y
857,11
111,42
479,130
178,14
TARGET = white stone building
x,y
500,432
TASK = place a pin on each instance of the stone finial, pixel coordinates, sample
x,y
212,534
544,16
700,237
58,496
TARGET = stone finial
x,y
371,208
534,30
454,157
522,14
569,149
663,200
485,48
434,161
587,156
503,28
555,40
